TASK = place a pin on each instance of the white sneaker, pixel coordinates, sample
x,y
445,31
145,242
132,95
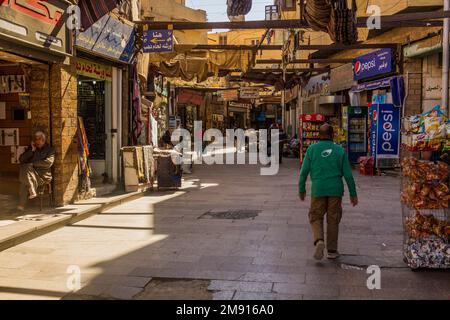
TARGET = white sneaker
x,y
32,194
320,246
333,255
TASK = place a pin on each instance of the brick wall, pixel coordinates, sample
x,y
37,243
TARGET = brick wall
x,y
413,81
63,85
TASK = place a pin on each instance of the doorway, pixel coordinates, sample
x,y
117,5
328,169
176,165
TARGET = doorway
x,y
94,107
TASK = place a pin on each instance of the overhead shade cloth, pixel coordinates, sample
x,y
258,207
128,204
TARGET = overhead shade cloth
x,y
200,65
92,11
142,66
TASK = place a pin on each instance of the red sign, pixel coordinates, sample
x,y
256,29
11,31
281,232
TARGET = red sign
x,y
313,117
190,96
36,9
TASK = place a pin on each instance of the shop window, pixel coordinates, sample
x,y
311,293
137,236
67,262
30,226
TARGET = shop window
x,y
223,40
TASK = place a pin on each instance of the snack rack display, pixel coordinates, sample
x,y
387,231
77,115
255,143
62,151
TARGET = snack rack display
x,y
309,131
429,131
425,192
426,216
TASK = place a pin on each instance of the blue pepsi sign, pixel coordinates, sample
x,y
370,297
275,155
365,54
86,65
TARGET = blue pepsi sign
x,y
373,130
387,131
373,64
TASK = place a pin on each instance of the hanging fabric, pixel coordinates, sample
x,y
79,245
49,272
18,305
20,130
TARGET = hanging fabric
x,y
84,169
92,11
137,107
238,7
333,17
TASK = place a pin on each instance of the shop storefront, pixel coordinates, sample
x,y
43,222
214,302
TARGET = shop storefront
x,y
34,55
189,105
319,104
215,113
291,120
374,106
239,114
104,55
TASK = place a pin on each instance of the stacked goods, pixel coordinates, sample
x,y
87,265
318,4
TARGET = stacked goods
x,y
342,26
427,244
238,7
426,186
367,166
426,196
426,132
333,17
428,253
426,226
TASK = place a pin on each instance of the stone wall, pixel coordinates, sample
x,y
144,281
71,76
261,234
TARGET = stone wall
x,y
39,98
63,85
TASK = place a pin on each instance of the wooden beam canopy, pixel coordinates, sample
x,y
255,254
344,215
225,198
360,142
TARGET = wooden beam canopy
x,y
186,47
417,19
276,61
293,70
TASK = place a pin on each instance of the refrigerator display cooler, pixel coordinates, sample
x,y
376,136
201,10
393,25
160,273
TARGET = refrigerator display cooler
x,y
357,145
309,131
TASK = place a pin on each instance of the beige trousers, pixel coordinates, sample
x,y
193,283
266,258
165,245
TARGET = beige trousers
x,y
332,207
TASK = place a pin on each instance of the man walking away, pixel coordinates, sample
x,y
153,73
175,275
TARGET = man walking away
x,y
327,163
35,168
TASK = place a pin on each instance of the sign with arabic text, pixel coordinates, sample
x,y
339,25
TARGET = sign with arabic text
x,y
373,64
158,41
94,70
249,93
109,37
37,23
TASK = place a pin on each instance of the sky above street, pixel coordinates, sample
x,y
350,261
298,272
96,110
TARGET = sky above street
x,y
217,9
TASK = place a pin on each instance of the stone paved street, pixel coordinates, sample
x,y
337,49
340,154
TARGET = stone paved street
x,y
162,237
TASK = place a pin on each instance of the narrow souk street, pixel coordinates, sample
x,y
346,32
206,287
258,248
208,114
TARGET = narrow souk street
x,y
168,245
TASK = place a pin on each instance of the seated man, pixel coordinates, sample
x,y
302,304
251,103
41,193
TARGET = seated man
x,y
35,168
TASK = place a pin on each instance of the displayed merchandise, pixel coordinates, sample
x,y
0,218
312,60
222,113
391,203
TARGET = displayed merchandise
x,y
9,136
169,174
84,170
367,166
428,253
357,133
426,215
429,131
426,184
2,110
309,131
138,167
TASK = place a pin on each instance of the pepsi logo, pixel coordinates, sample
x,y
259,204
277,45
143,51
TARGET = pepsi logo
x,y
358,67
387,126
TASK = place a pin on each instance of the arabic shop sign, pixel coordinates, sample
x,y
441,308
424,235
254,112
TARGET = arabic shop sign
x,y
158,41
38,23
109,37
93,70
432,88
373,64
249,93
